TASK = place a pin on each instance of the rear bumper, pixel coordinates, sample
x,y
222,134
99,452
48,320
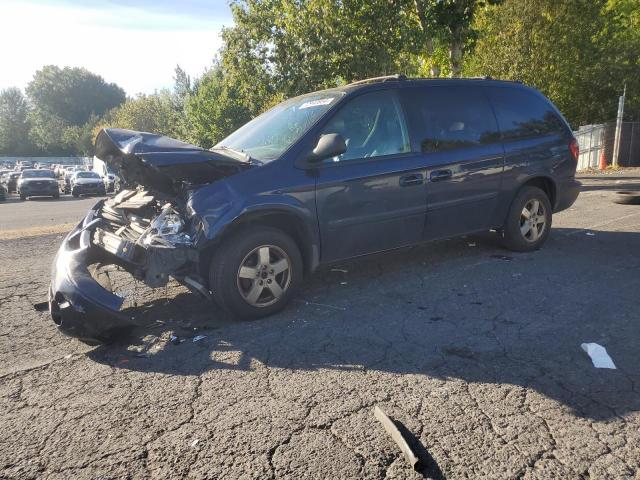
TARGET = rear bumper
x,y
567,191
78,304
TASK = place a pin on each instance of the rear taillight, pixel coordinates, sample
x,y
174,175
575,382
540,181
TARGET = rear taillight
x,y
574,149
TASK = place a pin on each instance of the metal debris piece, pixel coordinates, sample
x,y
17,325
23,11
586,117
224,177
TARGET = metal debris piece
x,y
392,430
41,307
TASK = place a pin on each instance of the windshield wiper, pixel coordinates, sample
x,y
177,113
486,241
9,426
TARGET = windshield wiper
x,y
240,153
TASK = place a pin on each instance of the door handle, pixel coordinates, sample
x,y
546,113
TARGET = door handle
x,y
411,179
440,175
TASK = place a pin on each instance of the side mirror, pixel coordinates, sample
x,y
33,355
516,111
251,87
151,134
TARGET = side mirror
x,y
329,145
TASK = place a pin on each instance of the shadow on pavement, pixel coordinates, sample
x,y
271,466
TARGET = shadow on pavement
x,y
461,309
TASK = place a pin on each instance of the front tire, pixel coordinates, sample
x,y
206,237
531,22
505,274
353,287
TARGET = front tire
x,y
529,220
254,274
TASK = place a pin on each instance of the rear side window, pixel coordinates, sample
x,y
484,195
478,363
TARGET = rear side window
x,y
523,114
446,118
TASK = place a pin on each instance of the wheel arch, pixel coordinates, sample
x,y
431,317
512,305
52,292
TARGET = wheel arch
x,y
544,183
286,220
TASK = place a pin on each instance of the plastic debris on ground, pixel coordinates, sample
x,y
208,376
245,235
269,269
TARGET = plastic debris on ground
x,y
599,355
392,429
590,234
339,270
472,244
194,443
175,340
197,338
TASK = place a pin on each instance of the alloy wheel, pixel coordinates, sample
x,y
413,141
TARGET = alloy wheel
x,y
533,220
264,275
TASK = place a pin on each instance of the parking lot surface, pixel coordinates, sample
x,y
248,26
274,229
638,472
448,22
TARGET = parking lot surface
x,y
476,350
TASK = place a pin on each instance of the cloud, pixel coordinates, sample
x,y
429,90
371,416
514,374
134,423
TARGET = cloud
x,y
136,47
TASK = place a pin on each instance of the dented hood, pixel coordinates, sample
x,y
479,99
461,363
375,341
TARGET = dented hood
x,y
162,163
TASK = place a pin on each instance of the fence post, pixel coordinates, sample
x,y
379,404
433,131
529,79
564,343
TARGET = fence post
x,y
616,141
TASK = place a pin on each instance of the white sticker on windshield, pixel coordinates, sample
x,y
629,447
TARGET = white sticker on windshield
x,y
316,103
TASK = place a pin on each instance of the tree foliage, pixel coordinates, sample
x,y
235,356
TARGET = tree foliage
x,y
579,53
72,94
14,123
154,113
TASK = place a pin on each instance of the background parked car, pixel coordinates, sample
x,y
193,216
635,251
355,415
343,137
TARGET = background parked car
x,y
87,183
11,181
38,183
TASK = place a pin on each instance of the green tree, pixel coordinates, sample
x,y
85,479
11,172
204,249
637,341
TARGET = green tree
x,y
447,26
289,47
578,53
215,109
148,113
14,123
72,94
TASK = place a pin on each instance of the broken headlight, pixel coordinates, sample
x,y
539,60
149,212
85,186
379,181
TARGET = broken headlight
x,y
166,230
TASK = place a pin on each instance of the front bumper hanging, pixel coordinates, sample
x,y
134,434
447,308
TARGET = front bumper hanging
x,y
78,304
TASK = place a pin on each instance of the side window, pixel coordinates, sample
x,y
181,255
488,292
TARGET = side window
x,y
446,118
372,125
522,114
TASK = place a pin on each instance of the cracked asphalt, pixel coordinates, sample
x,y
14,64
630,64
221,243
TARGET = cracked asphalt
x,y
474,349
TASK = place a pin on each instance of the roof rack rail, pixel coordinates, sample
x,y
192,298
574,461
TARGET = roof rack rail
x,y
385,78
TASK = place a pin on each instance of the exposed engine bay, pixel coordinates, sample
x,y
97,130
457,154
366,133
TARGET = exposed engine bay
x,y
145,235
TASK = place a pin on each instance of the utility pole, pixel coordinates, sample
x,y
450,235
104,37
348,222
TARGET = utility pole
x,y
616,141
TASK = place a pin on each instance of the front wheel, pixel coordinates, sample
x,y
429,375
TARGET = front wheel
x,y
529,220
254,274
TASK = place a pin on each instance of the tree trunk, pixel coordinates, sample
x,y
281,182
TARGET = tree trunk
x,y
455,57
434,69
456,50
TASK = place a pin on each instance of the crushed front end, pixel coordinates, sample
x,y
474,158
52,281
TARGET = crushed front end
x,y
137,231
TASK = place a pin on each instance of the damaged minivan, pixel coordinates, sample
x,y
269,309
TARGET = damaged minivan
x,y
372,166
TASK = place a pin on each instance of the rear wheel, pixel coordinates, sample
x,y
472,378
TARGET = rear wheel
x,y
75,193
529,220
23,197
254,274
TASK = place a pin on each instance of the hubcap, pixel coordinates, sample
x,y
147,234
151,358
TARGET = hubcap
x,y
264,275
533,220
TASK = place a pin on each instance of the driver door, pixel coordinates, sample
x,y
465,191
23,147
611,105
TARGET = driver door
x,y
372,197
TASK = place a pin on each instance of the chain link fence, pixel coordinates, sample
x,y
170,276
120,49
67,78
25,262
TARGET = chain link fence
x,y
596,139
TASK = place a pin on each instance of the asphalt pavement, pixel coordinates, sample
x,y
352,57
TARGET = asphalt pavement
x,y
474,349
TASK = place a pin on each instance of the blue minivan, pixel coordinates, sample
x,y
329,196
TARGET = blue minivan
x,y
372,166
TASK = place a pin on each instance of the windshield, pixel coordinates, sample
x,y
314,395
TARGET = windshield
x,y
87,175
37,173
269,135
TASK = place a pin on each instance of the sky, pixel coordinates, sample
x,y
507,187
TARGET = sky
x,y
135,43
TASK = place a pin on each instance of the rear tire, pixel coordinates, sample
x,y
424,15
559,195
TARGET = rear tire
x,y
23,197
74,193
254,274
529,220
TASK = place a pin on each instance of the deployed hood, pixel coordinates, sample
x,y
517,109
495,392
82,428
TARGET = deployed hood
x,y
162,163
